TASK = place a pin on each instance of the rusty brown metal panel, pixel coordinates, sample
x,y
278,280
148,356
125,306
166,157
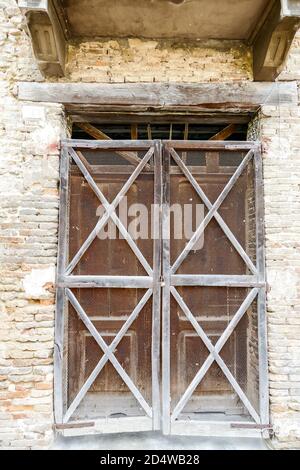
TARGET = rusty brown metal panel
x,y
210,305
210,319
210,347
108,309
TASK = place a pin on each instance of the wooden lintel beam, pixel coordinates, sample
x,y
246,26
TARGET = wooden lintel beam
x,y
273,40
239,97
102,117
47,36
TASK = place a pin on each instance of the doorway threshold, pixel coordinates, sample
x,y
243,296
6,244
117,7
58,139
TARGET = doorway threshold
x,y
156,441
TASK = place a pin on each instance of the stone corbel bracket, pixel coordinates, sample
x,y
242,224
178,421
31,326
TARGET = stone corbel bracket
x,y
47,36
273,41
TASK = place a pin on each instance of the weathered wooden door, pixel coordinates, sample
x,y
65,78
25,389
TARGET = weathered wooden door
x,y
108,325
110,375
214,373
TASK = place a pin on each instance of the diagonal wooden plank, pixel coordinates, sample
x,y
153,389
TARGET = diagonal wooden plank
x,y
101,223
85,162
110,208
131,243
214,356
88,177
217,216
219,345
99,135
89,240
212,211
108,354
243,397
224,133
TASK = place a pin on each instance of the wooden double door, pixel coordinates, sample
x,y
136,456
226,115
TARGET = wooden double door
x,y
160,287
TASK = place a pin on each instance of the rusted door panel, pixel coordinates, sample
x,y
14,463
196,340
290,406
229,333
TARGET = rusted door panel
x,y
114,256
211,359
109,308
211,306
217,279
188,352
217,255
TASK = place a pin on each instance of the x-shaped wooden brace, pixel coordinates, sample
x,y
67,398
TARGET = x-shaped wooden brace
x,y
213,211
214,353
110,211
108,354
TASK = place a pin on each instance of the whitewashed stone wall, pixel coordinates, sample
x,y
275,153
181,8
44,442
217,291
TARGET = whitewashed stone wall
x,y
29,161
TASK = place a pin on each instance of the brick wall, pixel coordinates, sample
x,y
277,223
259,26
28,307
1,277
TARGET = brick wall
x,y
136,60
29,161
280,134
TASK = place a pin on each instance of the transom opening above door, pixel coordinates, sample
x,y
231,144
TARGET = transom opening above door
x,y
151,129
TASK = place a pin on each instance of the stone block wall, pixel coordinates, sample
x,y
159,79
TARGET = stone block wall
x,y
28,237
29,163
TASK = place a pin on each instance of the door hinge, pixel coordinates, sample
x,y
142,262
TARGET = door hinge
x,y
61,427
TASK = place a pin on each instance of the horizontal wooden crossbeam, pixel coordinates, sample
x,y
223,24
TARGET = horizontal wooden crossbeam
x,y
128,282
212,145
215,280
241,97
